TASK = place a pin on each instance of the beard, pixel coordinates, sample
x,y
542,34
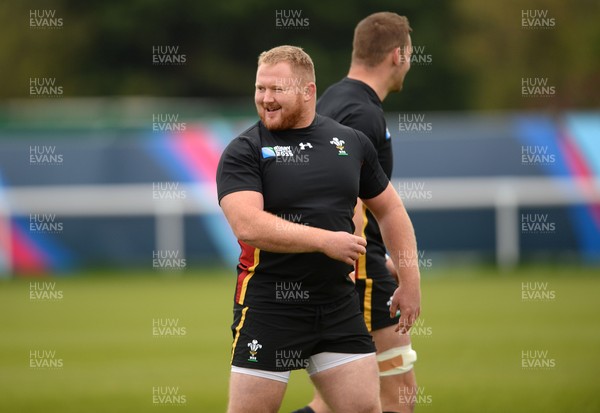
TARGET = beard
x,y
287,119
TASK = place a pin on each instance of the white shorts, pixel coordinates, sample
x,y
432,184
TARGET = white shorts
x,y
316,364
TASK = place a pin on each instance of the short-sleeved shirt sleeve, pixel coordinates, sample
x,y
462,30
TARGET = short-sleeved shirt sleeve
x,y
369,120
373,179
239,168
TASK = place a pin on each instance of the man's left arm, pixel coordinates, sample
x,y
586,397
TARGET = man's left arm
x,y
399,237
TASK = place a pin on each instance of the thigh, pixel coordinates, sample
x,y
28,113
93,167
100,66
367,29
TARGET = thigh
x,y
252,394
338,388
386,338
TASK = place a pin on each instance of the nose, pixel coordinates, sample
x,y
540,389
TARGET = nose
x,y
269,96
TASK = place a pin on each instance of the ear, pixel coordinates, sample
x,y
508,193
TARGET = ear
x,y
397,57
310,91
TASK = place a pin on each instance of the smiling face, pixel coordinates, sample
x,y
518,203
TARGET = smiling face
x,y
282,98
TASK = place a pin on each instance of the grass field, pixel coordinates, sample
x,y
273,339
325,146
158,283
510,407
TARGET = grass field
x,y
93,348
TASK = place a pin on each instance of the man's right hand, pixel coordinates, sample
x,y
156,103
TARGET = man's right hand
x,y
407,299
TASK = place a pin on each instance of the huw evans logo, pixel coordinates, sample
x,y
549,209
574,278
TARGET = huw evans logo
x,y
167,56
290,85
167,327
290,19
414,190
44,19
290,222
536,291
44,359
414,396
420,329
44,155
45,223
413,122
537,87
537,19
411,259
168,259
168,395
162,122
44,87
418,55
537,224
537,360
168,190
537,155
290,359
44,291
290,291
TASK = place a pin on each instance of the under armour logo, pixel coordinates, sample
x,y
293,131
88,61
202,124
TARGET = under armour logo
x,y
305,145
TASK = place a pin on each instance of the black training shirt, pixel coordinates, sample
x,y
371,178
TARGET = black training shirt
x,y
355,104
310,176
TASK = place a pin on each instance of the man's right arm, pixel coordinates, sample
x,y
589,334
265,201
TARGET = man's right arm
x,y
251,224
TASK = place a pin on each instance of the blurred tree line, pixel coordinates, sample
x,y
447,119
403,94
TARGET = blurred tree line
x,y
474,54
